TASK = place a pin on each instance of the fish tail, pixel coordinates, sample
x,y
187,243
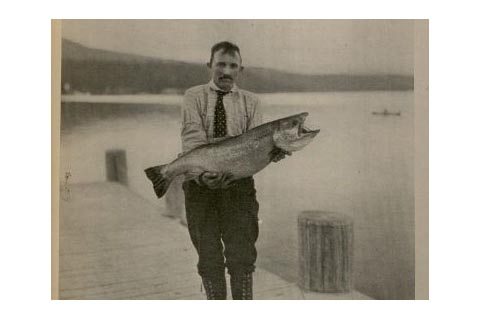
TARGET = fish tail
x,y
160,181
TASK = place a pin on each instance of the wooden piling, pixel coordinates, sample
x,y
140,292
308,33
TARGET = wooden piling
x,y
116,165
325,251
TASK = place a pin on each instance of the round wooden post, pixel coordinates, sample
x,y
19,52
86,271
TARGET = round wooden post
x,y
325,251
116,161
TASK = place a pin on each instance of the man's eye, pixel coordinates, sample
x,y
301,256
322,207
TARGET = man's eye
x,y
234,66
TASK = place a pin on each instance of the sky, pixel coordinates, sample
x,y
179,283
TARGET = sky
x,y
301,46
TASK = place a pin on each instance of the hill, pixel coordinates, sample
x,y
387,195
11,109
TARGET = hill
x,y
106,72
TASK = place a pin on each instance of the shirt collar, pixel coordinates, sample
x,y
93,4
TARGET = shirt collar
x,y
213,86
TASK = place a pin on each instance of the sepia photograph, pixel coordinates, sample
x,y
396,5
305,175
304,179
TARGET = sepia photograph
x,y
241,160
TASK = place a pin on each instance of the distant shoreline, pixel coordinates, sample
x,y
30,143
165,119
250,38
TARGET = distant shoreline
x,y
176,99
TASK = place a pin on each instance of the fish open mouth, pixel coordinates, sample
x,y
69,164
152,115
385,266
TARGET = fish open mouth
x,y
303,129
292,134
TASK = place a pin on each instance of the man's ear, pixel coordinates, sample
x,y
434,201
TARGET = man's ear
x,y
241,68
209,65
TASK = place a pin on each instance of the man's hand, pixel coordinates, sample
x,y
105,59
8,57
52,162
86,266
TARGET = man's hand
x,y
278,154
215,180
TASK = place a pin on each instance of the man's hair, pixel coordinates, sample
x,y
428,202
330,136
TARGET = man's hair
x,y
225,47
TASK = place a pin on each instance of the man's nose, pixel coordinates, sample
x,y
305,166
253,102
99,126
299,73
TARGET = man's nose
x,y
227,71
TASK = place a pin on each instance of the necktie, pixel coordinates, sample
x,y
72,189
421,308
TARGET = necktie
x,y
220,122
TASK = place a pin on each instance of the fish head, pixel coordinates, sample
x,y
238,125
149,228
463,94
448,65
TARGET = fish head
x,y
291,134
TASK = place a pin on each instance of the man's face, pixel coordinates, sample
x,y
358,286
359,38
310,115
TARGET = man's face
x,y
225,69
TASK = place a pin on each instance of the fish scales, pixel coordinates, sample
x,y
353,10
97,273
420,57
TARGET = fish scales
x,y
238,157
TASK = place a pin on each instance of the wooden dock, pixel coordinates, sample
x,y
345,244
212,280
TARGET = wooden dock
x,y
115,245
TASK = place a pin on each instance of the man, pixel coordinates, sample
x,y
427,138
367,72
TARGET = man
x,y
222,221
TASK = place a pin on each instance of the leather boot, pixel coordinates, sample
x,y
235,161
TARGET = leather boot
x,y
241,285
215,287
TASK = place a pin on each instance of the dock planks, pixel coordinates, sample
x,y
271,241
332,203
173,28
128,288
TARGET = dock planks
x,y
115,245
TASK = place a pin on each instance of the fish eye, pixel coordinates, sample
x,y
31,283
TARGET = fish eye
x,y
295,122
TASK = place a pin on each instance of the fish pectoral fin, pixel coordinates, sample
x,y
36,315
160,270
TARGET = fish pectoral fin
x,y
278,154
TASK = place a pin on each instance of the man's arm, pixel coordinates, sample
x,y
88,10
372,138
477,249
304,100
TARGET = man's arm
x,y
255,116
194,135
193,132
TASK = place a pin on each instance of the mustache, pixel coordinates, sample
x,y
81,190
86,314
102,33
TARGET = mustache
x,y
226,77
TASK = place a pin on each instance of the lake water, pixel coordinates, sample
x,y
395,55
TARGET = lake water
x,y
360,164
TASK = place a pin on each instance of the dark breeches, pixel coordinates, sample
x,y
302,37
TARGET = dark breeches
x,y
223,226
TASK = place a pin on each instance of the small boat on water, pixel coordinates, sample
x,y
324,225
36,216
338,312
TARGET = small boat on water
x,y
385,112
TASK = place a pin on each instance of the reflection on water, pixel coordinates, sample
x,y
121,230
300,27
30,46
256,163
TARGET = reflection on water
x,y
359,164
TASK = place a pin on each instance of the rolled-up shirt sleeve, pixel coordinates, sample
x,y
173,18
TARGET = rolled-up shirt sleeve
x,y
193,131
255,116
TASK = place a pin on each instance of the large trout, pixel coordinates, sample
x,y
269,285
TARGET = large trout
x,y
236,157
